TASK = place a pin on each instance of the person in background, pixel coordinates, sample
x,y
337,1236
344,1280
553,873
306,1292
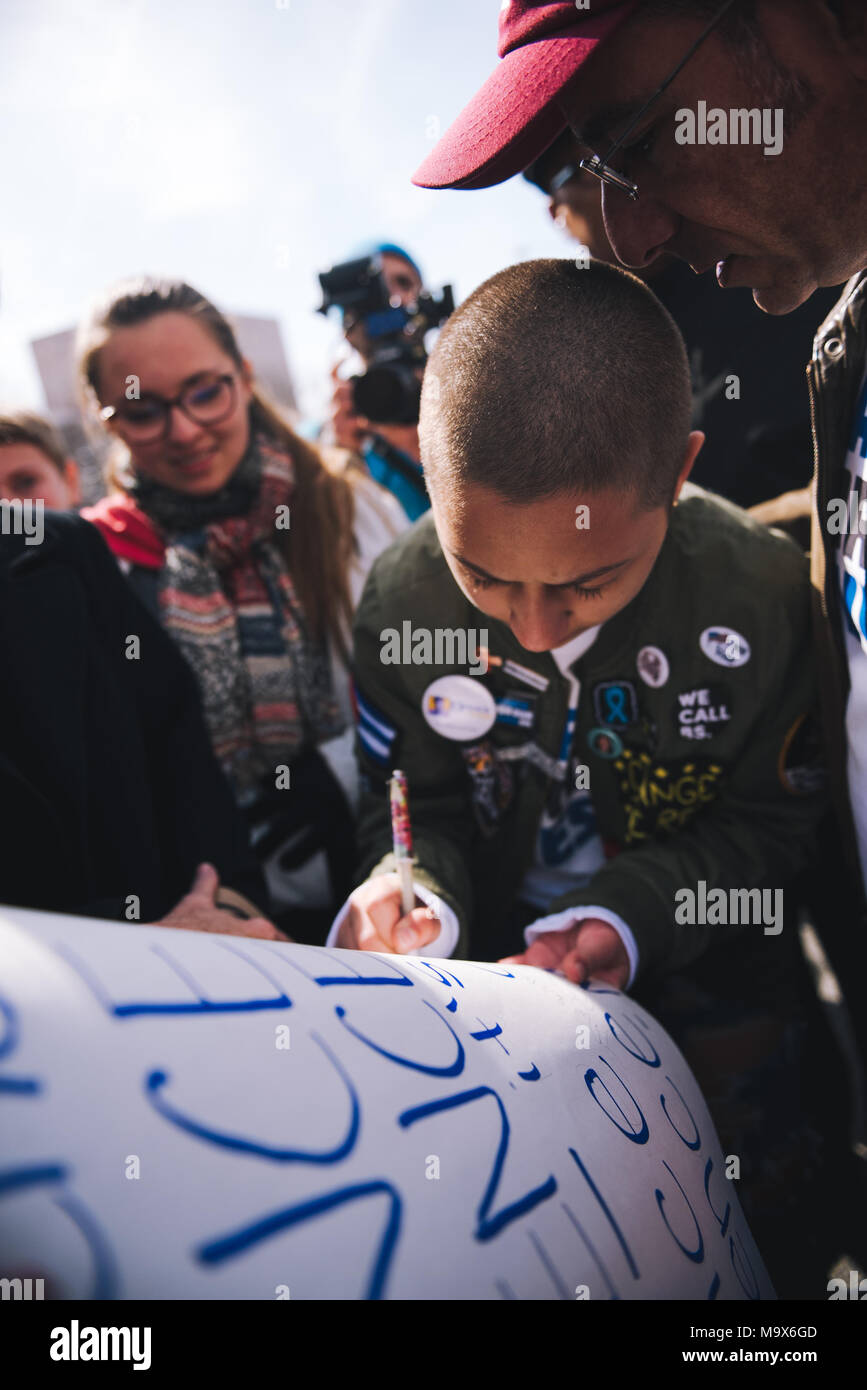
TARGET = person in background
x,y
759,448
401,475
113,801
34,463
251,547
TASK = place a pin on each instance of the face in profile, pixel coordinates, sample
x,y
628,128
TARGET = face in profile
x,y
194,450
574,197
576,207
26,472
781,223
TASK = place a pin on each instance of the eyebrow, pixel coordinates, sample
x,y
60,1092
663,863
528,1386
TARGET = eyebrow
x,y
187,381
568,584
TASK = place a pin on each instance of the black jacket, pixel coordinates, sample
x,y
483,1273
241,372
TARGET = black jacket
x,y
834,377
758,444
108,787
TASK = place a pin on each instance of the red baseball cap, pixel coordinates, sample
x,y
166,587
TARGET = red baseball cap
x,y
515,115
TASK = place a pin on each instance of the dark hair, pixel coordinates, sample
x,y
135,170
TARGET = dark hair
x,y
318,551
552,379
23,427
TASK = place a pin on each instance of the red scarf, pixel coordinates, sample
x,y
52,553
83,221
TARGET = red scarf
x,y
128,533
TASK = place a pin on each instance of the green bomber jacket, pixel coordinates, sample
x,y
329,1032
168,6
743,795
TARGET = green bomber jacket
x,y
695,729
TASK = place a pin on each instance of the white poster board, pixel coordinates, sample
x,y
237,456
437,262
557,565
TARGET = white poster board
x,y
185,1115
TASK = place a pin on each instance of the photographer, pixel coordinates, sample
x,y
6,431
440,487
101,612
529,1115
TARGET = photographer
x,y
386,315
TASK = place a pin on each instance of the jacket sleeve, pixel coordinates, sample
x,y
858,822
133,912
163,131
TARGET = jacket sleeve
x,y
756,834
392,732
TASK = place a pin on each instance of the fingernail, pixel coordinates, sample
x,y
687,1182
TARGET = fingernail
x,y
404,938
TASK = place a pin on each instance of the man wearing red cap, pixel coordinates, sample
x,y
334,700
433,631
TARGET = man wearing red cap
x,y
663,95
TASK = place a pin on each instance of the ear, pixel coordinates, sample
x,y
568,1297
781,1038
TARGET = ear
x,y
693,449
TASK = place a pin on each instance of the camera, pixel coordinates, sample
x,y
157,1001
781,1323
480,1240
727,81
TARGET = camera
x,y
389,391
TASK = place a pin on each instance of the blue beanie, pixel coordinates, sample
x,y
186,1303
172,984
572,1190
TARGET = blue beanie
x,y
375,248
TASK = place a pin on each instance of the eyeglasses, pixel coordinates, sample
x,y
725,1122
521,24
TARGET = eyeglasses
x,y
207,399
599,167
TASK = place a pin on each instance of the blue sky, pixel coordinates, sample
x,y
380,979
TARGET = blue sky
x,y
242,145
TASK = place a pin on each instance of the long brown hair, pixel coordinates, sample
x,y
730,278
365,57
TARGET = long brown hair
x,y
318,547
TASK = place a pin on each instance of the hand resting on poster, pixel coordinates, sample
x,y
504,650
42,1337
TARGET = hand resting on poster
x,y
592,947
374,921
210,907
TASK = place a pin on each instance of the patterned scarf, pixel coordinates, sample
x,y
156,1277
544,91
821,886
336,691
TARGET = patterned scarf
x,y
227,599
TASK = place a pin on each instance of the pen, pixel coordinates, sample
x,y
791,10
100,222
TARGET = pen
x,y
514,669
401,834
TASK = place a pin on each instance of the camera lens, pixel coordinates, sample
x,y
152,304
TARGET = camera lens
x,y
387,394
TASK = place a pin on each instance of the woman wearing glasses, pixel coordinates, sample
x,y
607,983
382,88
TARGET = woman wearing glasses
x,y
252,550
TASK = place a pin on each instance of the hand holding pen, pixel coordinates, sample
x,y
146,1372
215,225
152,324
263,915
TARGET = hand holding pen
x,y
384,914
